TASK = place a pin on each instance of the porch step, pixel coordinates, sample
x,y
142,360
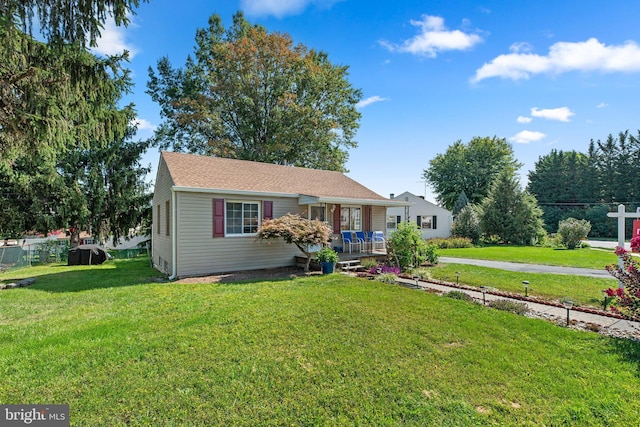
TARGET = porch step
x,y
350,265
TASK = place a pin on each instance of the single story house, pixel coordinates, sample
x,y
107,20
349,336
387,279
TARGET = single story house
x,y
207,210
433,220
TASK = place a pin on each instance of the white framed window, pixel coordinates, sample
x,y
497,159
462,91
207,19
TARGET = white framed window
x,y
427,222
318,212
393,221
242,218
350,218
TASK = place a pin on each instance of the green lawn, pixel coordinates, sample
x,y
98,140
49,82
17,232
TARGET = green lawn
x,y
322,350
580,289
584,258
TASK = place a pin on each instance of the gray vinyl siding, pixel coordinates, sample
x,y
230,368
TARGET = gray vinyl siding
x,y
161,240
378,219
199,253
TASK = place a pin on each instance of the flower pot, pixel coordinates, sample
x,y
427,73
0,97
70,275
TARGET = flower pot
x,y
327,267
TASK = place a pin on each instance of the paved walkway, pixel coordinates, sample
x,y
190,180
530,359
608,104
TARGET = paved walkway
x,y
615,326
529,268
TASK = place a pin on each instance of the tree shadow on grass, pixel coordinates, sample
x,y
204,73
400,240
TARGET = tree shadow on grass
x,y
111,274
628,350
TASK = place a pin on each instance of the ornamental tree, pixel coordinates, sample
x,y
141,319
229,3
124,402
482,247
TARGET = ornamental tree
x,y
300,231
627,296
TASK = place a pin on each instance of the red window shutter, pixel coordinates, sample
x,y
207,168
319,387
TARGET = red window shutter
x,y
218,217
367,218
267,209
336,219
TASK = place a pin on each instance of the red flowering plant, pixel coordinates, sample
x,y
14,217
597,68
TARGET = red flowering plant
x,y
635,244
627,299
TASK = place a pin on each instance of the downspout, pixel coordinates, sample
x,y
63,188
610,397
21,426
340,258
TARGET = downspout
x,y
174,237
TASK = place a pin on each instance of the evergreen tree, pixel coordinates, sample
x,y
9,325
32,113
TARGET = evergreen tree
x,y
467,224
510,214
460,204
53,94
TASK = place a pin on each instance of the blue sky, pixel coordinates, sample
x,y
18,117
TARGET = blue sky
x,y
542,74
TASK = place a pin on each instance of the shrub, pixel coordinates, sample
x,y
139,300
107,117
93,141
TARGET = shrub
x,y
572,231
451,242
387,278
326,254
459,295
627,299
421,273
368,263
552,241
407,246
431,254
510,306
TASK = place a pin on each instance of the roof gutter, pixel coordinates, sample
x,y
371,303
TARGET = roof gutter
x,y
306,200
234,192
303,199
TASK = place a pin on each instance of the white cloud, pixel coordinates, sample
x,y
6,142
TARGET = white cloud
x,y
602,105
522,119
563,57
370,100
143,124
112,40
520,47
434,37
280,8
561,114
527,136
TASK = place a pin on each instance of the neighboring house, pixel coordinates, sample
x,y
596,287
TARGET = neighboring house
x,y
207,210
433,220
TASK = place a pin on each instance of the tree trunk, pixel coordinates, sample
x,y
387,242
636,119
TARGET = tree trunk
x,y
74,238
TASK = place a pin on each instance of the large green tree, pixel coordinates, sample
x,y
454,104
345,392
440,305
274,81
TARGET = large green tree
x,y
65,155
254,95
100,189
469,168
510,214
53,93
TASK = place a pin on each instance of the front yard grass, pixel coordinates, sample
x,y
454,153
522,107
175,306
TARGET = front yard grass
x,y
583,258
582,290
321,350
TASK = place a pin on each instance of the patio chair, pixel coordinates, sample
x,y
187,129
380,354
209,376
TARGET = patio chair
x,y
347,240
378,239
362,238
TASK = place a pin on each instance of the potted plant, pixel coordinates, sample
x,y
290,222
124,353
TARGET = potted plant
x,y
327,258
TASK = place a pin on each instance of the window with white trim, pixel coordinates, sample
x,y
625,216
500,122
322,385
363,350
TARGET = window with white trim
x,y
350,218
426,222
242,218
318,212
393,221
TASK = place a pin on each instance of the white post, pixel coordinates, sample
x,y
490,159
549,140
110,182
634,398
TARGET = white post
x,y
622,215
621,224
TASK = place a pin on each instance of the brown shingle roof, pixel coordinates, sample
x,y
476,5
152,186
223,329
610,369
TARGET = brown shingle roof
x,y
188,170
